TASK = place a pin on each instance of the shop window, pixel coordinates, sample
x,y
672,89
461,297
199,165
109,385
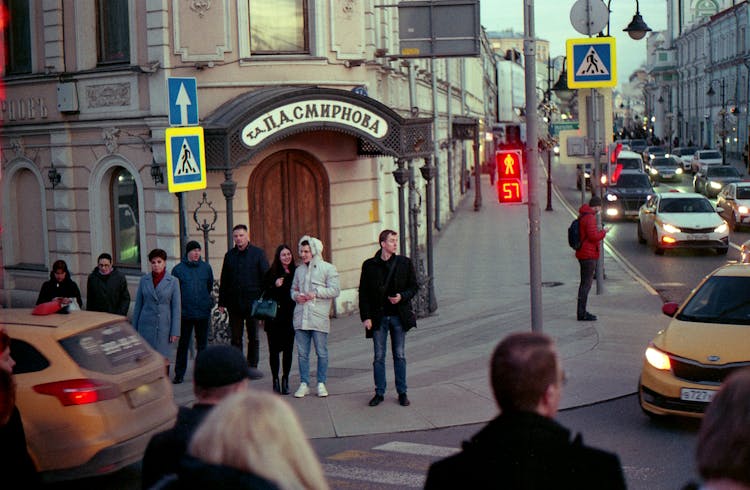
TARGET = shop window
x,y
112,32
17,36
279,27
124,212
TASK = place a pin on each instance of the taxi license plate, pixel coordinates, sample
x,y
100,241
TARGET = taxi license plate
x,y
693,395
698,236
143,394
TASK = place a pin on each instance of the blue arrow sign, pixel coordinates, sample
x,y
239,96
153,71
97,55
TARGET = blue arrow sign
x,y
183,101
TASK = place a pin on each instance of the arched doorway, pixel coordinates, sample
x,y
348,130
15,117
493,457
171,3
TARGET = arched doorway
x,y
289,198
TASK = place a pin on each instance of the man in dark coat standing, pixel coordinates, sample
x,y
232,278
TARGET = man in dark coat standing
x,y
242,283
588,254
196,283
220,370
107,288
524,447
386,286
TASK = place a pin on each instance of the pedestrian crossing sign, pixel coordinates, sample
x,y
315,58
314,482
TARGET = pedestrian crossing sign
x,y
591,62
186,159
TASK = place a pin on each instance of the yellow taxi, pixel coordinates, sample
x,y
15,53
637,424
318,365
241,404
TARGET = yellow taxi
x,y
90,390
707,339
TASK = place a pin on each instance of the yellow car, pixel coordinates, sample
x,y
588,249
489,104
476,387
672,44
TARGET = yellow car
x,y
708,338
90,390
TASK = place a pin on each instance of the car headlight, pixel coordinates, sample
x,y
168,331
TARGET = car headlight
x,y
671,228
722,228
743,209
678,171
658,359
603,180
653,171
715,185
611,197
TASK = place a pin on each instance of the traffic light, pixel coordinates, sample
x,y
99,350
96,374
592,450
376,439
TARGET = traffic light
x,y
509,176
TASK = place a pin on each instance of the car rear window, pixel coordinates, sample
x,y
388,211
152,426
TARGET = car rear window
x,y
721,299
109,349
630,163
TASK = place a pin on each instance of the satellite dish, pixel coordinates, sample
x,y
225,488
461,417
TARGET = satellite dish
x,y
589,17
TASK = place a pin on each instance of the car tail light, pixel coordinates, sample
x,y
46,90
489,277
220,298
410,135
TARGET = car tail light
x,y
79,391
658,359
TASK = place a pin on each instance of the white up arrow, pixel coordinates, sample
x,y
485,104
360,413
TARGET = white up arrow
x,y
183,100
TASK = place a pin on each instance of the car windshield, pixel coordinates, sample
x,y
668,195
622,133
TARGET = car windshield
x,y
638,143
629,163
633,181
722,172
721,299
687,151
665,162
686,205
743,193
656,149
712,155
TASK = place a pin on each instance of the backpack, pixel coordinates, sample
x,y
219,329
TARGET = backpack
x,y
574,234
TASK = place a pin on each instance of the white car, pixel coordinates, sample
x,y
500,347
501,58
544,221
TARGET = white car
x,y
685,154
705,157
682,220
734,200
631,160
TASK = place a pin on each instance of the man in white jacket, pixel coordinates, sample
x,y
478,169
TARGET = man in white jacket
x,y
315,285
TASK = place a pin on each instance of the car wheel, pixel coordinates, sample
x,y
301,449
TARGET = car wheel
x,y
657,249
641,238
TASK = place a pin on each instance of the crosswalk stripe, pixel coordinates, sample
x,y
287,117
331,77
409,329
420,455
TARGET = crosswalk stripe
x,y
402,479
418,449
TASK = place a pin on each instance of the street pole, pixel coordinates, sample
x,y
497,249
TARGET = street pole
x,y
548,113
596,189
532,166
723,126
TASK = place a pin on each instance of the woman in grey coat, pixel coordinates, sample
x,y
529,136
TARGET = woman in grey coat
x,y
157,305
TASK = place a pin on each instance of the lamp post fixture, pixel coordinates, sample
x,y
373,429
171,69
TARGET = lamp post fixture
x,y
637,28
711,92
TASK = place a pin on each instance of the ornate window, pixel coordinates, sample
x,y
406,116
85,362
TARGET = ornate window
x,y
279,27
124,212
17,36
112,32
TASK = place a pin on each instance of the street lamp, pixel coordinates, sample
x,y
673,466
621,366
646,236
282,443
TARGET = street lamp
x,y
723,114
637,28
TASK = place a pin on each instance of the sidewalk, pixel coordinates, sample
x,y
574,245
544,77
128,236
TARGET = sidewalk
x,y
482,288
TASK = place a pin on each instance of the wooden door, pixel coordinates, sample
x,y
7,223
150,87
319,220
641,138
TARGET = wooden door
x,y
289,198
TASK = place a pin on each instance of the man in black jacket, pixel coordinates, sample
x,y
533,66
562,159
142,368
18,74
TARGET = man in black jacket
x,y
220,370
524,448
241,283
107,288
386,286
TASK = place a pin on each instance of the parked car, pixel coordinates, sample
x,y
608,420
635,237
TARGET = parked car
x,y
625,196
734,200
711,179
665,168
685,154
630,160
652,152
703,158
91,391
681,220
707,339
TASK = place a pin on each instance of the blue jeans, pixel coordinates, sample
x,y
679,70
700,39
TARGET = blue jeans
x,y
393,325
302,338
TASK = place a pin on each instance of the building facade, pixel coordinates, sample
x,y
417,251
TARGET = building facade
x,y
305,121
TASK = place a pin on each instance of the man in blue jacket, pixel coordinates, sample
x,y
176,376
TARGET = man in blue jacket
x,y
196,282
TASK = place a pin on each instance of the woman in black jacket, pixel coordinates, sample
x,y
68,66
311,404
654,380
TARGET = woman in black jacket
x,y
280,331
60,285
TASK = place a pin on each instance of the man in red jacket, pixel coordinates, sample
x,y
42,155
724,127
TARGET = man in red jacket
x,y
588,254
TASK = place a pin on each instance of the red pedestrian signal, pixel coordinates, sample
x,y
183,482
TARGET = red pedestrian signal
x,y
509,176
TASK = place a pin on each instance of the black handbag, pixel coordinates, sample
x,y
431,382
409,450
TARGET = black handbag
x,y
264,309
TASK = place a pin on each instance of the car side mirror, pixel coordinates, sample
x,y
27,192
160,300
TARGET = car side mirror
x,y
719,210
670,308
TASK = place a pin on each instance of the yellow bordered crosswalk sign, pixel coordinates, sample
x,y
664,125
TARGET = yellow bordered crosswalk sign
x,y
591,62
186,159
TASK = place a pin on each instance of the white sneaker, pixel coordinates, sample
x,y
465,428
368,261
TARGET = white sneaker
x,y
302,390
322,391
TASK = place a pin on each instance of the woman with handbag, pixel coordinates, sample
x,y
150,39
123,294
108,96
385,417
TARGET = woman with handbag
x,y
280,331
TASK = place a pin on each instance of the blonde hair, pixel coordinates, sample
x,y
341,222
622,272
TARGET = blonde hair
x,y
259,433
